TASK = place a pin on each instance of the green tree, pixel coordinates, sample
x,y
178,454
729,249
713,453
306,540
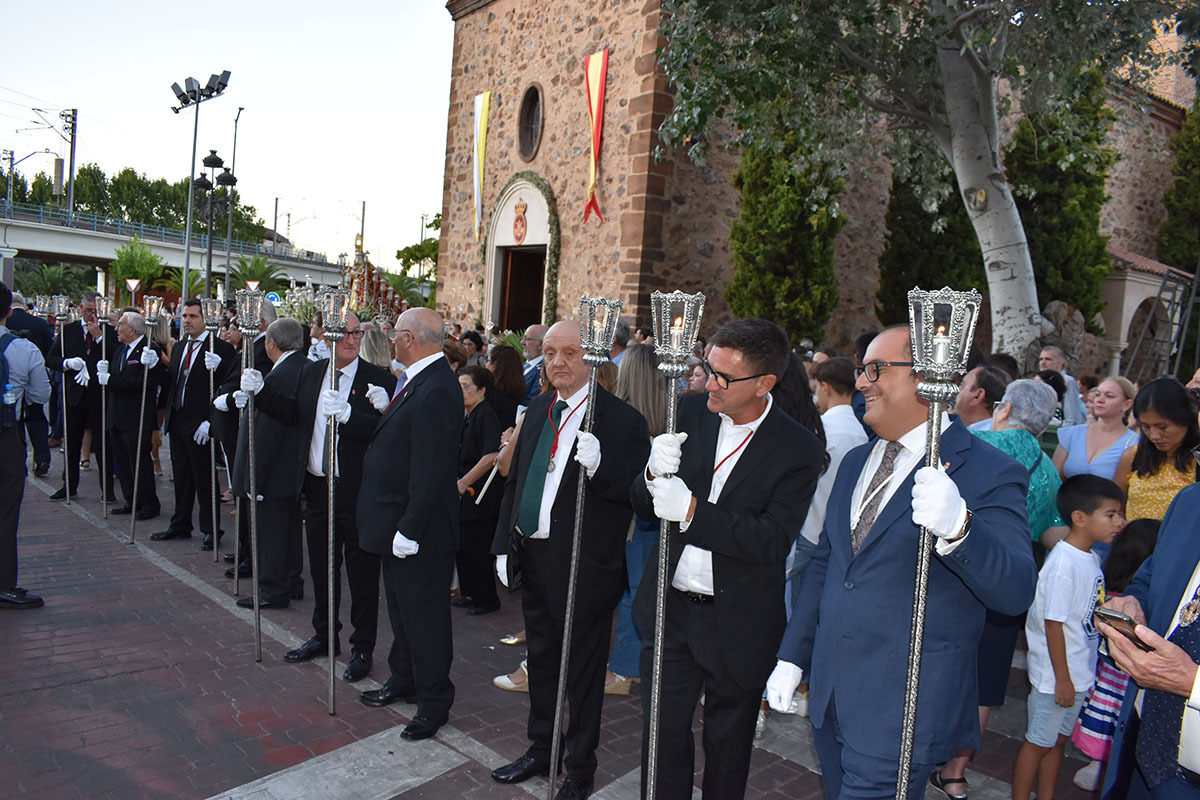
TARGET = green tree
x,y
424,254
173,282
1059,186
32,278
1179,234
257,268
782,241
929,71
411,288
135,259
923,249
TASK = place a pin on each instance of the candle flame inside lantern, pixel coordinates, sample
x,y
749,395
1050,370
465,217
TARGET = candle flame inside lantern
x,y
941,331
677,333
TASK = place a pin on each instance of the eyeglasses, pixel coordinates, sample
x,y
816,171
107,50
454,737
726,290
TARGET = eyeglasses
x,y
724,380
357,334
871,368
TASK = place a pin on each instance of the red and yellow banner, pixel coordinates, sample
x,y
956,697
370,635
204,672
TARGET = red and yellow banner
x,y
596,67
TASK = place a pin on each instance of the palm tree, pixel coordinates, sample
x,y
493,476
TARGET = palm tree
x,y
270,276
412,289
173,282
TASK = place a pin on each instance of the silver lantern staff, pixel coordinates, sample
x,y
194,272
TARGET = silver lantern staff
x,y
60,304
676,318
249,315
103,309
154,307
596,335
942,325
335,308
211,309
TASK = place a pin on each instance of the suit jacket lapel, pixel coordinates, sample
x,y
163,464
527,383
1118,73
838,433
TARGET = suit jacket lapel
x,y
758,450
710,429
410,388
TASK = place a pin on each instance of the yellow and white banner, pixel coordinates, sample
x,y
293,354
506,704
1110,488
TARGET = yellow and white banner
x,y
596,68
481,117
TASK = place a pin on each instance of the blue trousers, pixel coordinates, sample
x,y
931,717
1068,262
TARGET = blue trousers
x,y
850,775
628,645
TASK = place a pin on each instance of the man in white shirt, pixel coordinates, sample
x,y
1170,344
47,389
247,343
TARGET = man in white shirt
x,y
532,344
1074,412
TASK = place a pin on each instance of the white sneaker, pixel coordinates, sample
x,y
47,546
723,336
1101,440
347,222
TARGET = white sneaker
x,y
800,703
507,683
1088,778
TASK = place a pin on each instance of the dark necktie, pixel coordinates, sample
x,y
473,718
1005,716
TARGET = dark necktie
x,y
535,479
1162,718
874,495
122,356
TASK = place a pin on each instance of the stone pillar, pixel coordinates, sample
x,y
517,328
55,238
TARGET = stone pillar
x,y
7,265
1115,349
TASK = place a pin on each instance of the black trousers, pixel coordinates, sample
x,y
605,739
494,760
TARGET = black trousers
x,y
85,417
191,466
418,600
362,568
280,553
476,573
693,662
591,633
12,490
124,445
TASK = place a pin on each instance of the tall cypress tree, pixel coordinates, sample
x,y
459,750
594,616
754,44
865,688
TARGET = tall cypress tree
x,y
1179,234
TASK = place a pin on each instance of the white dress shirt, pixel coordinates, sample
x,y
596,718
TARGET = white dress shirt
x,y
694,572
843,433
572,418
316,447
416,369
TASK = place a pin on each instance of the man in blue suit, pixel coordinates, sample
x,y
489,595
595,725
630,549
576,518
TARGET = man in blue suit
x,y
849,631
1156,750
532,343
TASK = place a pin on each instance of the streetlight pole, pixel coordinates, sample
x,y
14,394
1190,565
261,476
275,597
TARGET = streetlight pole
x,y
228,178
212,162
195,94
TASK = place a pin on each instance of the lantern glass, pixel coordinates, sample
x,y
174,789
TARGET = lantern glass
x,y
103,307
598,318
942,324
335,308
249,309
676,318
154,307
211,308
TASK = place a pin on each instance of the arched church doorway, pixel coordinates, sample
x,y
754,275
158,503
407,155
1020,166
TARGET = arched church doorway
x,y
521,254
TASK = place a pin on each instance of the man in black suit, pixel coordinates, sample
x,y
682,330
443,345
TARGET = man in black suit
x,y
408,514
363,393
26,326
124,377
279,453
188,402
75,352
743,474
537,520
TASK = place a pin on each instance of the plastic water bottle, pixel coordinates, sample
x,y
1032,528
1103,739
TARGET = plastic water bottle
x,y
10,395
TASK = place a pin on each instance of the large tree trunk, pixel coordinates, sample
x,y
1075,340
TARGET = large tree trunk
x,y
974,151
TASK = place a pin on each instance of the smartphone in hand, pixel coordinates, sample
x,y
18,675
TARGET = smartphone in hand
x,y
1123,623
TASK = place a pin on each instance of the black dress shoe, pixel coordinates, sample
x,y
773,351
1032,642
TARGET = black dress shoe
x,y
248,602
313,648
17,599
458,601
112,498
358,668
243,571
575,789
488,609
148,513
206,543
387,695
40,469
422,727
163,536
298,592
123,510
229,559
61,494
521,770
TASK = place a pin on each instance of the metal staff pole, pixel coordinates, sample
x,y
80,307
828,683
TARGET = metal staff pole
x,y
62,312
942,325
154,307
211,308
103,309
596,336
335,306
249,303
676,318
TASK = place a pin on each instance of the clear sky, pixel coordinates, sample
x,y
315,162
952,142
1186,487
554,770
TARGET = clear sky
x,y
344,102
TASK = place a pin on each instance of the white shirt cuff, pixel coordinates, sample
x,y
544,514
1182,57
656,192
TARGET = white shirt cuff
x,y
944,547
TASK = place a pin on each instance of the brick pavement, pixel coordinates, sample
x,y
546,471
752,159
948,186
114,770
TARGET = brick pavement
x,y
138,680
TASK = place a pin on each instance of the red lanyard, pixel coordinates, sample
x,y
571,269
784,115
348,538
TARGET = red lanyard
x,y
739,447
558,429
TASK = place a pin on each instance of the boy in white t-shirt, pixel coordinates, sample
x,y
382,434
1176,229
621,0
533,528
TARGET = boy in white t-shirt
x,y
1063,644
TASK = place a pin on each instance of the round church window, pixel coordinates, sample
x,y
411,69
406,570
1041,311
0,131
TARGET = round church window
x,y
529,122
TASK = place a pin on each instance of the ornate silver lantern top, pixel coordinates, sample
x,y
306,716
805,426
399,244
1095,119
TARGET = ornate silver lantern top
x,y
211,308
43,304
103,308
598,317
154,307
942,324
60,304
249,310
676,325
334,304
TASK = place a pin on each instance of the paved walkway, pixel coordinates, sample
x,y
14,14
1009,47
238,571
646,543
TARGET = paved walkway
x,y
138,680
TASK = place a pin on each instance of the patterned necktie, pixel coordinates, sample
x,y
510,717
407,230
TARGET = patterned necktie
x,y
875,495
1162,719
535,479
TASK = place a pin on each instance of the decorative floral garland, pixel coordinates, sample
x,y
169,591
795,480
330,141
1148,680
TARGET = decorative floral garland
x,y
553,247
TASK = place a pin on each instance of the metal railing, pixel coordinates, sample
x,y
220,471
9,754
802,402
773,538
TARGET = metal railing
x,y
48,215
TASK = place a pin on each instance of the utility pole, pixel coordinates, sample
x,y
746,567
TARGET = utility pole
x,y
362,231
70,120
275,228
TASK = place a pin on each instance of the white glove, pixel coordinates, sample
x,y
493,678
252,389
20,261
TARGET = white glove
x,y
201,434
221,402
936,503
403,546
378,397
672,498
103,378
252,381
75,363
240,399
101,367
781,686
502,570
82,378
587,452
665,453
211,361
332,405
149,357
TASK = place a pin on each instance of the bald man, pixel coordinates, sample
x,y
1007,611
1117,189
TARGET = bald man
x,y
532,343
408,514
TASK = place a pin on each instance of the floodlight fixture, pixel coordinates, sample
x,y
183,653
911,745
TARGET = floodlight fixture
x,y
193,89
180,95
